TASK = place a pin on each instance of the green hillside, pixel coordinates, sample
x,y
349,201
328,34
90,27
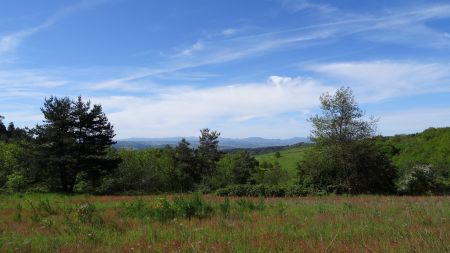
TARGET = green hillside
x,y
288,159
432,146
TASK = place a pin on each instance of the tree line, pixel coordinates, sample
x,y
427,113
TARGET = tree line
x,y
72,151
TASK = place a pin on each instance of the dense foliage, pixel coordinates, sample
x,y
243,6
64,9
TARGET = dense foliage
x,y
74,141
344,159
422,158
72,152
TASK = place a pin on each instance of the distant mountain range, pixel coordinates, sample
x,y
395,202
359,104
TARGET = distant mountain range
x,y
224,143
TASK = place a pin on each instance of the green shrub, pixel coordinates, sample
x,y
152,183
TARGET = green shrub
x,y
194,207
135,209
87,214
262,191
423,179
16,182
164,210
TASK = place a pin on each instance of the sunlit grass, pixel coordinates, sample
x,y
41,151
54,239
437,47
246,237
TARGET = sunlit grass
x,y
58,223
288,159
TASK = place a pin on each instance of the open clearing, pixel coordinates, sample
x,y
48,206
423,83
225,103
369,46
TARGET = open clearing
x,y
289,159
58,223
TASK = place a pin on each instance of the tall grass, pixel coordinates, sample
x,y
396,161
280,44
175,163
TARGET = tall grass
x,y
195,223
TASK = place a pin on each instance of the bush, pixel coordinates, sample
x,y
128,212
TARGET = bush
x,y
136,209
356,168
423,179
16,182
164,210
87,213
194,207
262,191
270,174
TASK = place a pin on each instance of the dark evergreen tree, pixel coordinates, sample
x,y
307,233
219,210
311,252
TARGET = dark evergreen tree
x,y
16,133
74,138
93,136
187,163
3,130
208,152
55,143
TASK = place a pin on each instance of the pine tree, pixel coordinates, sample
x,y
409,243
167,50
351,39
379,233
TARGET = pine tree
x,y
3,130
208,152
74,138
186,162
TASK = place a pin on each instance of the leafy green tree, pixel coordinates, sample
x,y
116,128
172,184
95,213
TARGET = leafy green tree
x,y
16,182
270,174
234,168
145,171
344,159
74,138
170,173
137,172
10,155
341,121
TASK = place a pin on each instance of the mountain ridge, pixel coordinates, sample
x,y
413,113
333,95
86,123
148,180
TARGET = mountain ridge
x,y
224,143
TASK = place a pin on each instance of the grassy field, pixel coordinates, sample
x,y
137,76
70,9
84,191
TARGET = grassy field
x,y
57,223
288,159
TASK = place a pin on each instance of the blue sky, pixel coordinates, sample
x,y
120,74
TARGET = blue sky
x,y
245,68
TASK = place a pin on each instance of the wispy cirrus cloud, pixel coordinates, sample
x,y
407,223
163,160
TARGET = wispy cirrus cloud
x,y
229,31
377,80
196,47
407,26
28,83
301,5
9,42
140,102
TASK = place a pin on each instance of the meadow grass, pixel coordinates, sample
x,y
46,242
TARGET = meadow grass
x,y
289,158
193,223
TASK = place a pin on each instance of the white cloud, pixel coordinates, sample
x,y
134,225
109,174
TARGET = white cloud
x,y
197,46
377,80
229,32
183,112
28,84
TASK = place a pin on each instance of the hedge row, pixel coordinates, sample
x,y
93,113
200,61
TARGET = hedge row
x,y
262,191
